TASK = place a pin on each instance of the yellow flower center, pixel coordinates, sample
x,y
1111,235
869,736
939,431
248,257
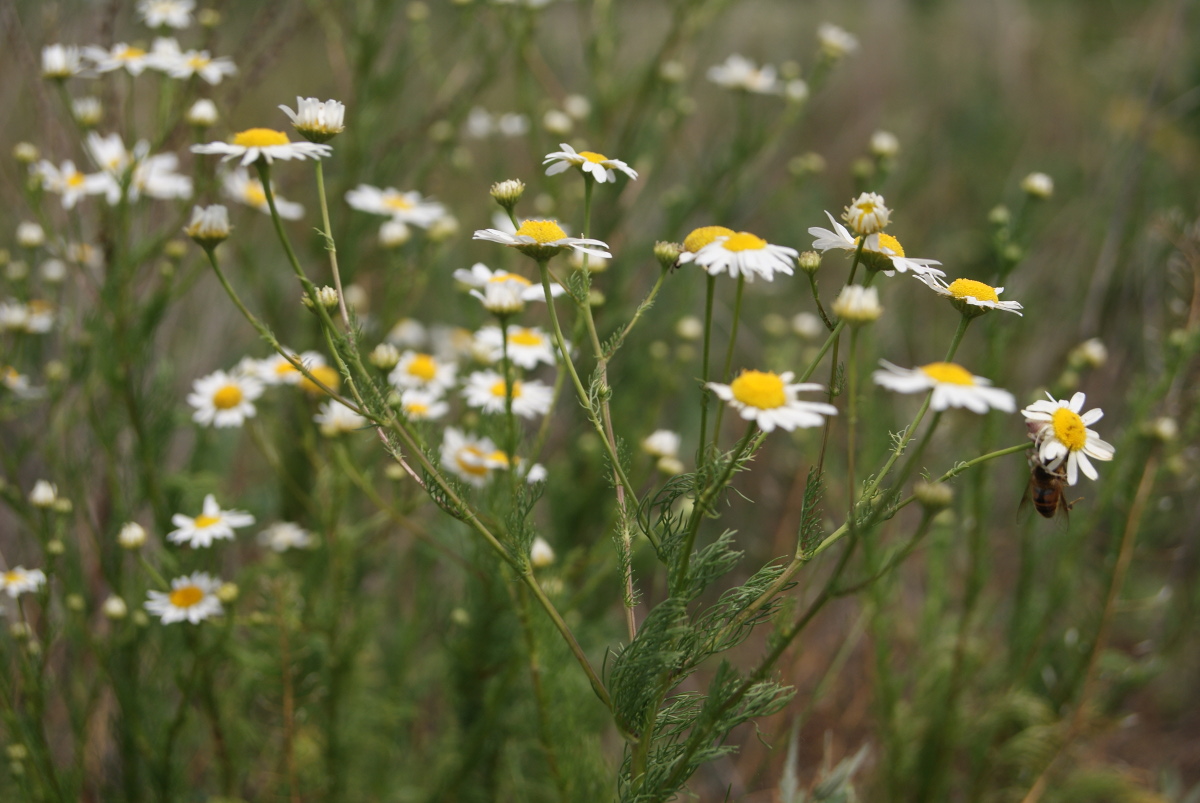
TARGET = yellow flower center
x,y
892,244
283,368
253,194
761,389
14,577
543,231
203,521
38,306
592,156
75,179
416,409
502,277
227,397
473,464
526,337
260,138
962,288
398,202
186,597
328,376
498,389
745,241
197,62
423,367
131,53
703,236
1069,429
948,373
498,457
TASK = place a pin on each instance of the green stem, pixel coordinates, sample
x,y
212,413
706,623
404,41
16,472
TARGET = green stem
x,y
704,394
710,494
733,331
330,245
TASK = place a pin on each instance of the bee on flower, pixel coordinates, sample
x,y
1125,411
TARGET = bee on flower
x,y
592,164
769,400
1061,435
212,524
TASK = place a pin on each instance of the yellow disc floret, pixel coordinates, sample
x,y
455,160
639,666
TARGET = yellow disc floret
x,y
471,461
592,156
526,337
543,231
891,244
187,596
1069,429
398,202
328,376
260,138
14,577
745,241
203,521
498,389
761,389
423,366
948,373
227,397
501,276
969,288
703,236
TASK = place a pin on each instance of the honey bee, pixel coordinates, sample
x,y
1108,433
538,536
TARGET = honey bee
x,y
1046,489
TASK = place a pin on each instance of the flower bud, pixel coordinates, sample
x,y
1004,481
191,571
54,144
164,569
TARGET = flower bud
x,y
87,111
541,554
26,152
75,602
227,593
115,608
209,226
857,305
384,356
202,114
884,145
507,193
132,535
43,495
557,122
55,547
326,296
394,233
933,496
1038,185
809,261
667,253
689,327
807,325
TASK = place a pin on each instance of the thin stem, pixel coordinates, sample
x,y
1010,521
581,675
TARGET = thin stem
x,y
330,245
711,284
733,331
710,494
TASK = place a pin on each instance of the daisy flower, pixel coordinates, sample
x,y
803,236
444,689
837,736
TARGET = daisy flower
x,y
242,187
336,419
423,371
487,389
541,554
278,370
71,184
422,405
133,60
698,238
744,254
857,305
769,400
409,332
543,239
593,164
468,457
224,400
263,143
317,121
881,252
662,443
867,214
201,63
284,535
972,298
835,42
19,580
60,61
402,207
211,524
952,386
527,346
191,599
502,292
166,13
739,72
209,225
1060,434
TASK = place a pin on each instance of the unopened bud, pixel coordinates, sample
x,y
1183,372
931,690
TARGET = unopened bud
x,y
228,592
858,305
55,547
132,535
26,152
541,554
43,495
933,496
30,234
115,608
507,193
809,261
384,356
1038,185
667,253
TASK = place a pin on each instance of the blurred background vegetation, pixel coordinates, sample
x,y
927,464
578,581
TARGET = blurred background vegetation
x,y
961,672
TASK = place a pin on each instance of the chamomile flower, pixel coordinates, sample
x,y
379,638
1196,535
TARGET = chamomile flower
x,y
882,251
239,185
211,70
263,143
209,225
867,214
409,333
541,554
191,599
317,121
19,580
422,405
972,298
224,400
698,238
284,535
70,183
596,165
527,346
952,386
212,523
745,254
739,72
835,42
423,371
502,292
336,419
662,443
468,457
166,13
1061,435
769,400
133,60
60,61
486,390
403,207
543,239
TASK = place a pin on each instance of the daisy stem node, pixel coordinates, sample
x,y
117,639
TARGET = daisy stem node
x,y
709,494
733,331
330,245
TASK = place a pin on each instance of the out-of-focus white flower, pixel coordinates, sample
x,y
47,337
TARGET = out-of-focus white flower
x,y
501,292
557,122
191,599
239,185
739,72
423,371
30,234
662,443
166,13
70,183
857,304
835,42
527,346
115,608
541,554
336,419
394,233
88,111
202,113
422,405
284,535
884,145
408,333
405,207
44,494
212,523
468,456
132,535
60,61
1038,185
224,400
19,580
487,391
199,62
133,60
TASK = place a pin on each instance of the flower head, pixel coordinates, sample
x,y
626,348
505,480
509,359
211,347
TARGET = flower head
x,y
60,62
43,495
952,386
487,390
769,400
880,252
134,60
132,535
317,121
403,207
972,298
211,524
266,144
209,226
867,214
239,185
284,535
336,419
202,113
527,346
183,66
835,42
858,305
468,457
1038,185
502,292
422,405
541,554
19,580
224,400
596,165
508,192
1061,434
739,72
543,239
166,13
742,254
424,371
191,599
662,443
70,183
